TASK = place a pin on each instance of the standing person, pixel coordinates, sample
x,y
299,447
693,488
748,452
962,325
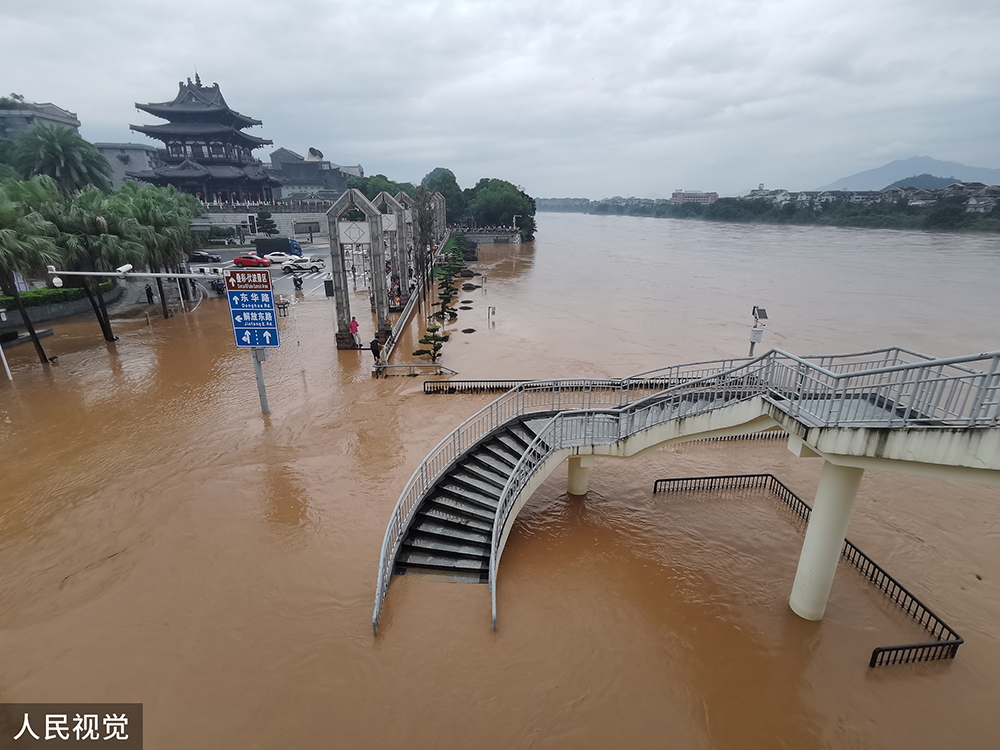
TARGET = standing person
x,y
353,325
376,350
149,294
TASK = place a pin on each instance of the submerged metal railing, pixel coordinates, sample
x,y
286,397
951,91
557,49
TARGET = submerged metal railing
x,y
627,385
892,387
470,386
404,317
946,642
417,368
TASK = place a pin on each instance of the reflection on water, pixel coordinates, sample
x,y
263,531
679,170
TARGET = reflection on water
x,y
162,542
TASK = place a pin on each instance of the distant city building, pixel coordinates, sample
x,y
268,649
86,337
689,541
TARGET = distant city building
x,y
977,197
128,157
17,115
206,153
310,175
693,196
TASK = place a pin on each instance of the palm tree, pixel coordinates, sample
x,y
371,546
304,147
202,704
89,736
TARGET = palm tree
x,y
26,243
90,235
61,154
94,236
163,217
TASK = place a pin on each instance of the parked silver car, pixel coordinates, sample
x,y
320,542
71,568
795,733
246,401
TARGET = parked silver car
x,y
313,263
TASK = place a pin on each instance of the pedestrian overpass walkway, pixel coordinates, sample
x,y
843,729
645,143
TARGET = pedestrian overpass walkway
x,y
888,409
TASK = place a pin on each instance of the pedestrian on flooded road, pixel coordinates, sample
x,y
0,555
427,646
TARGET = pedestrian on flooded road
x,y
149,294
376,349
353,325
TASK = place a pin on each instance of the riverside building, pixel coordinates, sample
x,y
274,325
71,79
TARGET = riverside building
x,y
206,152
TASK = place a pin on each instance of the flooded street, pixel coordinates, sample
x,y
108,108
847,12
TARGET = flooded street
x,y
161,542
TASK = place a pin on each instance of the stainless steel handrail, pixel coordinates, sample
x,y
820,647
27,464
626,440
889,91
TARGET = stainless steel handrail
x,y
546,395
404,316
804,389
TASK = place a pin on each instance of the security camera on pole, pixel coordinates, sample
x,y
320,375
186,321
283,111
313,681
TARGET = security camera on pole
x,y
757,332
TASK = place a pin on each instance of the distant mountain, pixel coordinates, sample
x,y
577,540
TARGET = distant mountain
x,y
923,181
876,179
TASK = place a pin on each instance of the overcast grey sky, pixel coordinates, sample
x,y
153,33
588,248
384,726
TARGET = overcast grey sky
x,y
586,98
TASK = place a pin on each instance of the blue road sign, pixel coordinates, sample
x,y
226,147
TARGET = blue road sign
x,y
251,305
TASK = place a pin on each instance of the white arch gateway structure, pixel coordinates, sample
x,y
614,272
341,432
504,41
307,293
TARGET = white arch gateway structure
x,y
888,409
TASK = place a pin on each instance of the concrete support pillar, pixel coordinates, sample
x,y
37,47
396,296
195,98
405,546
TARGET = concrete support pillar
x,y
835,496
579,474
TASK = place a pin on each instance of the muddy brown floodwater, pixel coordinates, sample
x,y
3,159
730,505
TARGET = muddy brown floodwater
x,y
161,542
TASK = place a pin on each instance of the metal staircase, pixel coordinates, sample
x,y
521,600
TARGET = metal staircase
x,y
451,515
452,530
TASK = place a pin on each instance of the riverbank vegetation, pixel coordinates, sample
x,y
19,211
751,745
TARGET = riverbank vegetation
x,y
66,222
947,214
490,202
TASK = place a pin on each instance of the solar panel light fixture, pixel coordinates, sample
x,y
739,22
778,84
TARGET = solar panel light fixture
x,y
757,332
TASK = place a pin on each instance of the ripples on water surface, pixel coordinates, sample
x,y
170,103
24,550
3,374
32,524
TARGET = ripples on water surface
x,y
161,542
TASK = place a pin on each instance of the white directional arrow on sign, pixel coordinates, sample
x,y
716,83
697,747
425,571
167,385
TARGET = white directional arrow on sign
x,y
267,336
239,318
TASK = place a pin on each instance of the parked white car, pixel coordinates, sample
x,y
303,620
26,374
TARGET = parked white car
x,y
313,263
280,257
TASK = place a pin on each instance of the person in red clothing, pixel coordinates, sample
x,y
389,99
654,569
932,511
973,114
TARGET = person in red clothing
x,y
353,325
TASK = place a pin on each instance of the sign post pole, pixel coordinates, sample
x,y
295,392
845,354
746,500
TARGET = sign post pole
x,y
260,355
255,320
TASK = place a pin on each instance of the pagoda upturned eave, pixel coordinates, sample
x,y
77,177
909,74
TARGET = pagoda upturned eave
x,y
193,112
203,130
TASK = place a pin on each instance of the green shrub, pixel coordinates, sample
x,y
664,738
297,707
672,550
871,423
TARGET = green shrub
x,y
38,297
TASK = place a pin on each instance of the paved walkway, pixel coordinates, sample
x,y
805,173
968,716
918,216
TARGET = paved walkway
x,y
133,303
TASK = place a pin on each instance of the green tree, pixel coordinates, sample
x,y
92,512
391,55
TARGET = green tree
x,y
433,175
163,218
61,154
424,231
266,224
497,202
372,186
14,101
27,242
446,184
95,236
434,340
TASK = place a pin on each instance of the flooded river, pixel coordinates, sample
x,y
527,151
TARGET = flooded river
x,y
161,542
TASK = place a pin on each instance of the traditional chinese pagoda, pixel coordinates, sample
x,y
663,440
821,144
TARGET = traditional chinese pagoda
x,y
206,152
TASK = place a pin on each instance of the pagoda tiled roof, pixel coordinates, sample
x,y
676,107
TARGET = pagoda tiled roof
x,y
198,129
189,169
194,101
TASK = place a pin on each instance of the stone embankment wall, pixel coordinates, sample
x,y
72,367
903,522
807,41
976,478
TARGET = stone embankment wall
x,y
42,313
485,238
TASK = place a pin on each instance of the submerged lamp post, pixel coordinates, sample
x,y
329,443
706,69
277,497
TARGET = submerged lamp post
x,y
757,332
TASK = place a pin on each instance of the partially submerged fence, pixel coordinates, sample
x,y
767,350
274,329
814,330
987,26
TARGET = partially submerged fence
x,y
470,386
412,370
946,642
502,386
